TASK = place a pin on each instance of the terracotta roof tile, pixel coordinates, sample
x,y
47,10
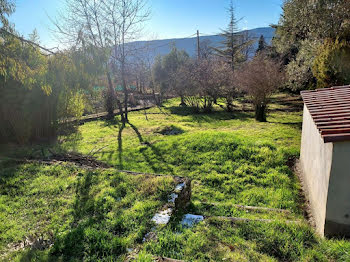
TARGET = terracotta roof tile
x,y
330,110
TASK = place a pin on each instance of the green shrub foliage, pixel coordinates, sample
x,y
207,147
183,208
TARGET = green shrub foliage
x,y
37,91
308,30
331,66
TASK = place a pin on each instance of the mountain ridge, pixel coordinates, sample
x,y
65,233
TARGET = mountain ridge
x,y
152,48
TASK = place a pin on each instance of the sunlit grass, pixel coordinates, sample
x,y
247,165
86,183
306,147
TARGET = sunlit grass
x,y
231,158
89,215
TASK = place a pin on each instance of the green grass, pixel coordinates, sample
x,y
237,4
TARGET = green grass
x,y
217,240
91,215
231,159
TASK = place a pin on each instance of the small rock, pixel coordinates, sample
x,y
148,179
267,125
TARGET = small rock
x,y
163,217
190,220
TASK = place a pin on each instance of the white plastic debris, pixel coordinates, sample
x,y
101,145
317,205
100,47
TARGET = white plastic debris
x,y
190,220
173,197
163,217
180,187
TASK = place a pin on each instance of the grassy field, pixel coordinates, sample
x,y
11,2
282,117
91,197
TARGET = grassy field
x,y
89,215
231,159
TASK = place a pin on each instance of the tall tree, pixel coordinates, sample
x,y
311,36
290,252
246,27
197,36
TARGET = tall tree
x,y
303,28
230,45
7,7
167,74
126,18
102,28
261,44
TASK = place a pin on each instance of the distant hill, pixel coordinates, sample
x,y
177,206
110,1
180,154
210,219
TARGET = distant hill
x,y
153,48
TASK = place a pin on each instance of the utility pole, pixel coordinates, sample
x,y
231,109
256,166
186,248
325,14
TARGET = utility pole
x,y
198,50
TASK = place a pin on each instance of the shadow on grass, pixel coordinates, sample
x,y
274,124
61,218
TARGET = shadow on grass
x,y
87,236
112,122
120,145
152,155
292,104
209,117
156,152
297,125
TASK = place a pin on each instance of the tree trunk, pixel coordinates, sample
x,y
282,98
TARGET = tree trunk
x,y
229,105
182,101
125,100
110,98
123,71
260,112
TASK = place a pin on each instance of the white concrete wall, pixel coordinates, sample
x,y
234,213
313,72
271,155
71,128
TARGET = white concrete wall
x,y
316,163
338,204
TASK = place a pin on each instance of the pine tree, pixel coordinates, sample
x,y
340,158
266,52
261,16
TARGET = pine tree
x,y
231,43
262,45
7,7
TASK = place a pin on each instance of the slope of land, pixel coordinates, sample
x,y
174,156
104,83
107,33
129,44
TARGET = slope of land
x,y
232,160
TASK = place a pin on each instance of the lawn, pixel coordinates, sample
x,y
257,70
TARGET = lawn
x,y
231,159
88,214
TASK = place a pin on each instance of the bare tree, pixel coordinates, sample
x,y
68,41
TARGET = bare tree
x,y
224,78
247,44
126,17
212,78
205,48
260,78
103,27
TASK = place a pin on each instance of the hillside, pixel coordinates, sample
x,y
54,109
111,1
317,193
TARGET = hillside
x,y
150,49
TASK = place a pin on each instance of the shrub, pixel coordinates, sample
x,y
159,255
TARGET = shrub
x,y
260,78
331,66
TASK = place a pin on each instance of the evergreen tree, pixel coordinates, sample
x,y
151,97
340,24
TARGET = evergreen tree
x,y
262,45
34,37
7,7
231,43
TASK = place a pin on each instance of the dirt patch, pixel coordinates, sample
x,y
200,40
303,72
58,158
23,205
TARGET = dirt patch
x,y
78,159
37,242
170,130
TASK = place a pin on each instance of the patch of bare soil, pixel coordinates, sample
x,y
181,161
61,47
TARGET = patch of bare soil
x,y
78,159
170,130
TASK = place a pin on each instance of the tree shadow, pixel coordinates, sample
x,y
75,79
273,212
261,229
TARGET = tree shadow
x,y
154,150
120,145
292,104
297,125
111,122
214,116
88,234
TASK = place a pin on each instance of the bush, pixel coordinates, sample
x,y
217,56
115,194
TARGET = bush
x,y
260,79
331,66
37,92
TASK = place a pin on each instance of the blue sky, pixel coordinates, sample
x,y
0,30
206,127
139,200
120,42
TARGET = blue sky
x,y
169,18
